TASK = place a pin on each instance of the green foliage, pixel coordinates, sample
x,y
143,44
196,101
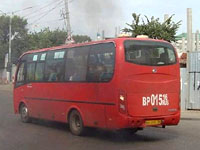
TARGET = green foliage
x,y
153,28
19,42
46,38
81,38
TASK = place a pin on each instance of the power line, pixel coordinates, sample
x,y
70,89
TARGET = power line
x,y
38,15
2,12
55,20
46,13
23,9
17,11
27,8
30,7
39,10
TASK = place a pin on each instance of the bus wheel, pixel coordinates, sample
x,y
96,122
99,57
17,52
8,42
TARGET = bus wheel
x,y
76,123
24,114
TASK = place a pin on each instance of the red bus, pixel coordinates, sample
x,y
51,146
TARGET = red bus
x,y
122,83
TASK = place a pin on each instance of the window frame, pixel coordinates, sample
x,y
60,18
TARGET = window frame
x,y
114,46
20,83
161,65
77,47
56,50
39,61
26,61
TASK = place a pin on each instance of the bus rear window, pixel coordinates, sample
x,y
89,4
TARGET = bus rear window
x,y
149,53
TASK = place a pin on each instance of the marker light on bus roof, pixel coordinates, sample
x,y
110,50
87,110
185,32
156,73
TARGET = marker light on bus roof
x,y
124,35
142,36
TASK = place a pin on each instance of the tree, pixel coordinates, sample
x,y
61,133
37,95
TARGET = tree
x,y
81,38
153,28
19,43
47,38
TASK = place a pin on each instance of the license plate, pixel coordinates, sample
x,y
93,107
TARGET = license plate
x,y
153,122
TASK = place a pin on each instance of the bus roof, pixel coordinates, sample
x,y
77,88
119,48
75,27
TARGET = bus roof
x,y
91,43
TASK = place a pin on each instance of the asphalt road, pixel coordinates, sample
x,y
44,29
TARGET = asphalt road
x,y
45,135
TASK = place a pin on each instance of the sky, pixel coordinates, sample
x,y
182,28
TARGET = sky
x,y
90,16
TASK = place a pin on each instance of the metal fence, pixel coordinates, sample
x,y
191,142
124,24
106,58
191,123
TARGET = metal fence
x,y
5,77
184,88
194,81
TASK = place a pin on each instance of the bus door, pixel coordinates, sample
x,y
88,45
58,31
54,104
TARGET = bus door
x,y
20,87
36,89
55,103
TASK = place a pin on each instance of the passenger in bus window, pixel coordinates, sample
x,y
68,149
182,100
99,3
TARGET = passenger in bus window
x,y
71,71
164,58
91,73
101,71
59,71
60,74
53,75
73,76
96,72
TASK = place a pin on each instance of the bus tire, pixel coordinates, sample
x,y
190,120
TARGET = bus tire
x,y
76,123
24,113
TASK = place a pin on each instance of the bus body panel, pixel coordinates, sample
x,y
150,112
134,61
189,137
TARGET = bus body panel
x,y
152,94
149,94
35,93
53,100
18,97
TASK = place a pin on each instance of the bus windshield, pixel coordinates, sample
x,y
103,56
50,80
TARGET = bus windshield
x,y
149,53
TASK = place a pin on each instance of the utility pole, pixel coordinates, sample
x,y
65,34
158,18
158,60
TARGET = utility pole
x,y
197,41
9,51
11,37
67,19
189,50
166,16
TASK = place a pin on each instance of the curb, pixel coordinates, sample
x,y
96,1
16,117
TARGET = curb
x,y
6,87
188,119
190,115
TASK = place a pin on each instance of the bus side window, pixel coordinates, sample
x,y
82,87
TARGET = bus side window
x,y
30,71
54,68
31,63
20,80
76,64
101,62
39,72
